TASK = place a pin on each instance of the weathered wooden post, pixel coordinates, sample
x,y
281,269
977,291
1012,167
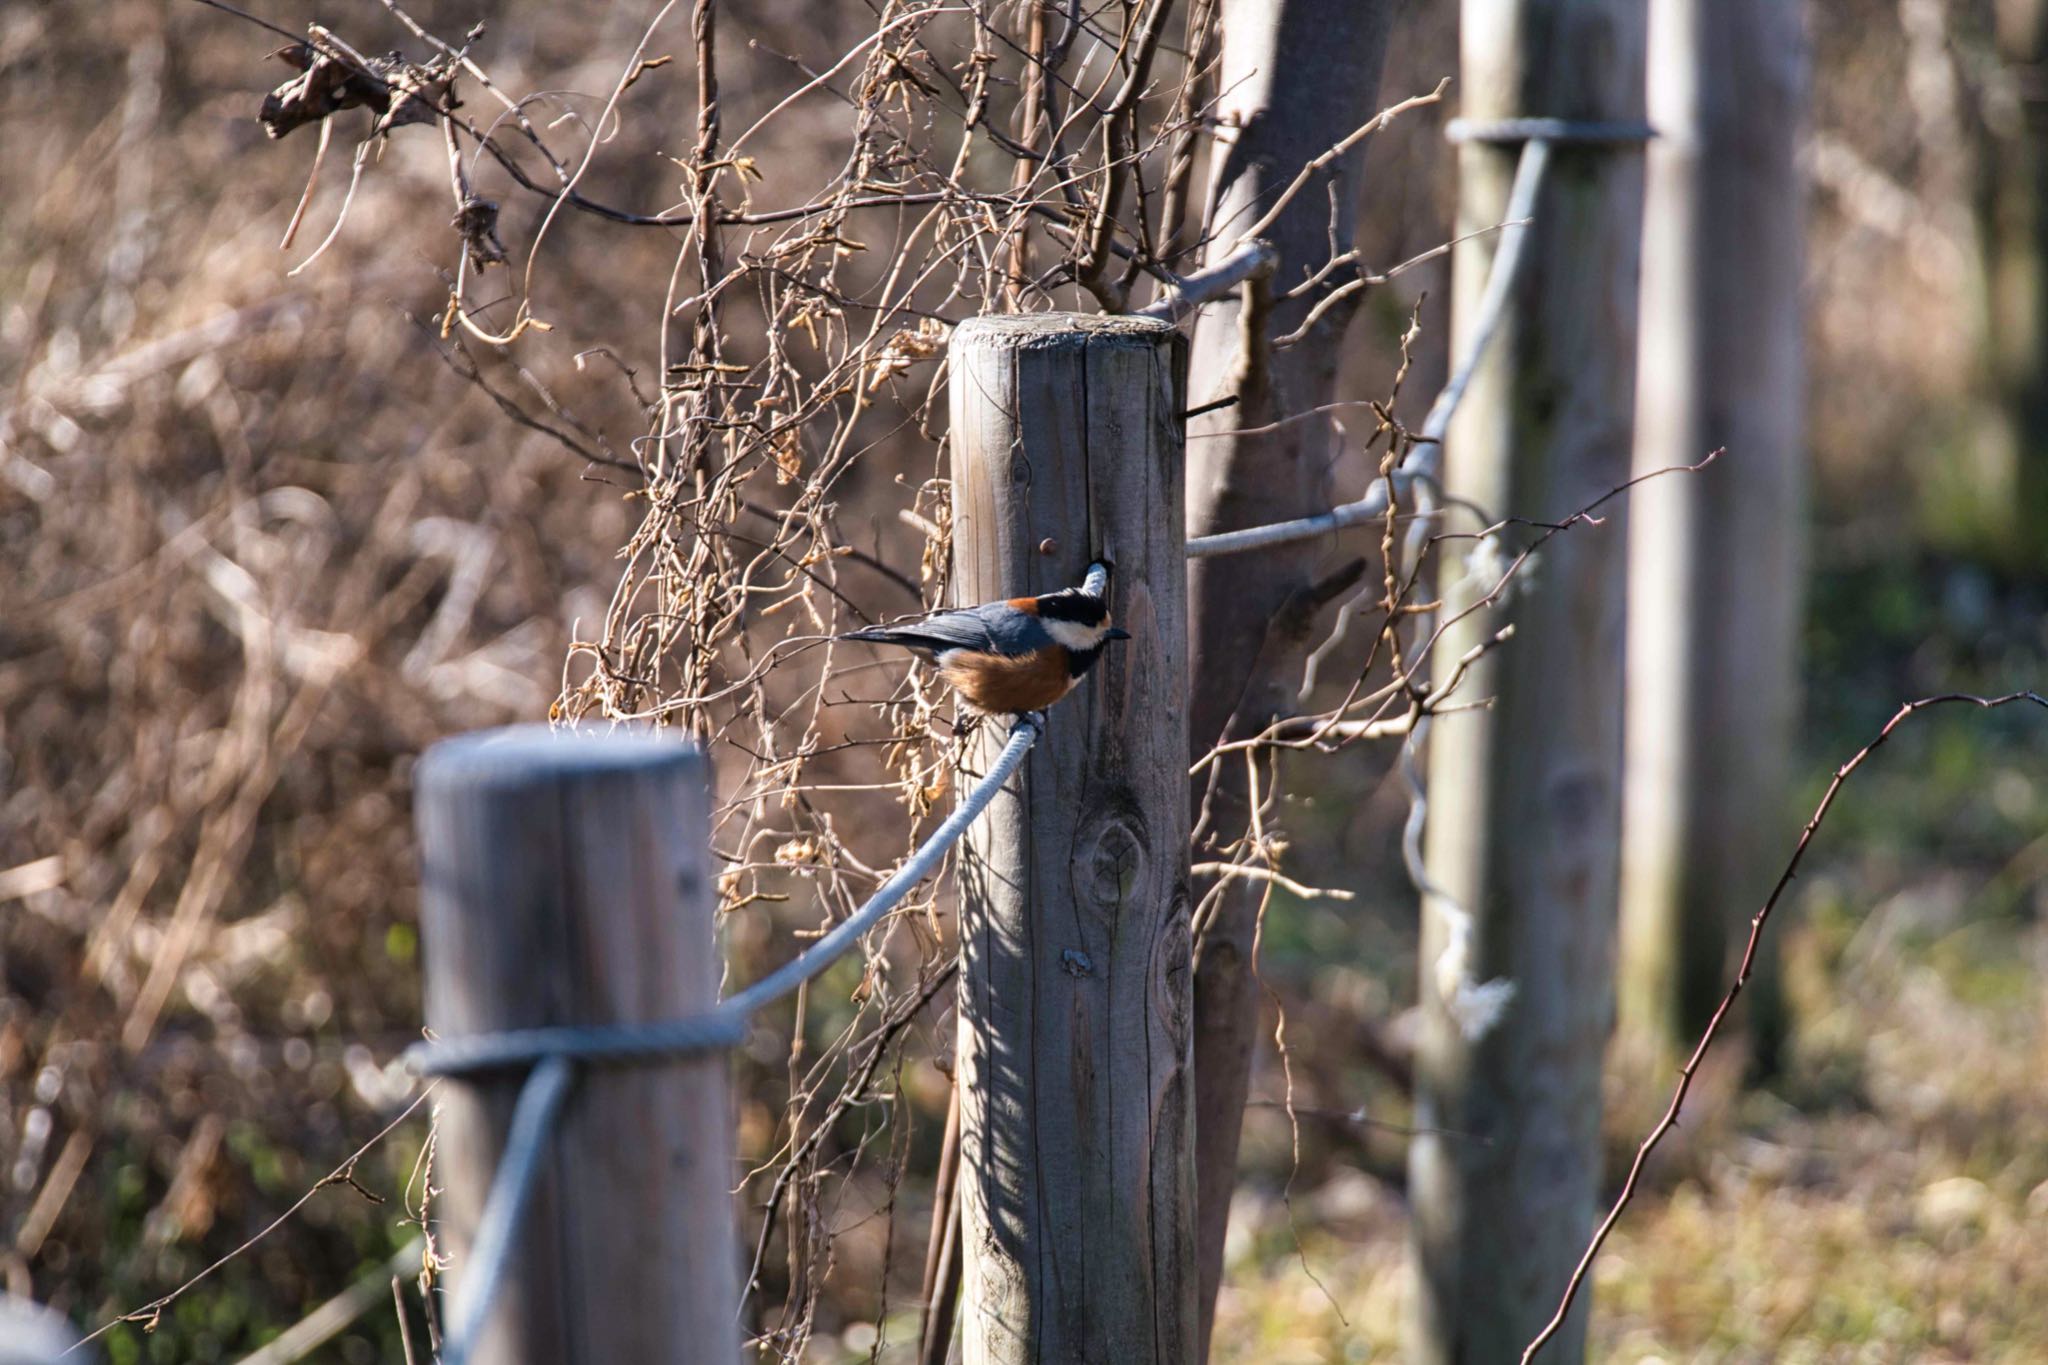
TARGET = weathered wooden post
x,y
1077,1176
1714,570
1524,797
567,881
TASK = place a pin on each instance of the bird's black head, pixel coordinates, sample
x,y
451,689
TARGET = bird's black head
x,y
1075,606
1079,620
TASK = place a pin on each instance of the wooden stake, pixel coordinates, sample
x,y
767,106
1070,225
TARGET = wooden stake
x,y
567,880
1524,797
1715,562
1076,1180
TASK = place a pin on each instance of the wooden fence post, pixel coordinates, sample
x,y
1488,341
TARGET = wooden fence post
x,y
567,880
1077,1174
1715,562
1524,797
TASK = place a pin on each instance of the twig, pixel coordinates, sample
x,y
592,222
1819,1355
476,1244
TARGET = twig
x,y
1119,159
1251,872
856,1085
404,1323
1324,159
1500,282
1742,974
1351,286
291,229
344,1174
942,1264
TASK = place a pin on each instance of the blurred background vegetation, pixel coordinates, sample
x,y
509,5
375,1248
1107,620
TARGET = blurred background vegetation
x,y
262,540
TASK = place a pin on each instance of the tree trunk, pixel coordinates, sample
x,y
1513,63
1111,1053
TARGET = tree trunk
x,y
1525,797
1714,571
1295,76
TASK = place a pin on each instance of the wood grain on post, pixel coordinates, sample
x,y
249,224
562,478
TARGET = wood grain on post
x,y
1524,797
1077,1176
567,880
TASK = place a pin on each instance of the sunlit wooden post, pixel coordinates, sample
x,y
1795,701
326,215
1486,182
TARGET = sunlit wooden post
x,y
1714,573
1525,797
1077,1176
567,880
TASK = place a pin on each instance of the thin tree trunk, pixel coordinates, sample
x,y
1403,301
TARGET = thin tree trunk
x,y
1714,568
1525,797
1294,77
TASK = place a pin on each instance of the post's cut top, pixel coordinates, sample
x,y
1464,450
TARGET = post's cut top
x,y
1052,329
516,755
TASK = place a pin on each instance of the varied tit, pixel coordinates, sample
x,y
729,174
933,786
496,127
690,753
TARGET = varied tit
x,y
1015,656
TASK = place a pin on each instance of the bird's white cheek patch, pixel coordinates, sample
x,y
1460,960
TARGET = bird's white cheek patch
x,y
1073,635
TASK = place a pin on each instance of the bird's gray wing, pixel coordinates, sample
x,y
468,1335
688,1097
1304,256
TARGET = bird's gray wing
x,y
992,628
1007,630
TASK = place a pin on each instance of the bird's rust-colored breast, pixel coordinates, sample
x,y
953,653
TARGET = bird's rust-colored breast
x,y
1001,686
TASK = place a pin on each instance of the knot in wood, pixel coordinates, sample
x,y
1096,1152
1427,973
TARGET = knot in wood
x,y
1173,975
1113,865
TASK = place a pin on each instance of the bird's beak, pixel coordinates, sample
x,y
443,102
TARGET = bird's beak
x,y
1116,633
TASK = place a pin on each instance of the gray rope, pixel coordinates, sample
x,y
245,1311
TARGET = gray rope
x,y
725,1024
920,865
1500,285
553,1051
1493,304
533,1118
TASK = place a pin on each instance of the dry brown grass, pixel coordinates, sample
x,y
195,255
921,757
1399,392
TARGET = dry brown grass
x,y
262,546
1900,1221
